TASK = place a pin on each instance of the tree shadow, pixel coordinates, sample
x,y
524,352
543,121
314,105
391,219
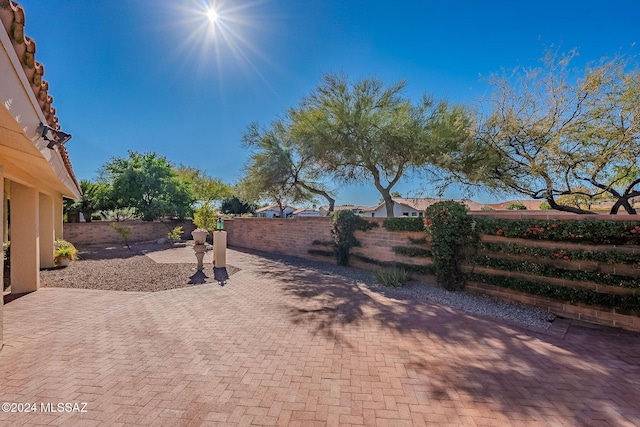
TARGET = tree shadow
x,y
115,251
591,374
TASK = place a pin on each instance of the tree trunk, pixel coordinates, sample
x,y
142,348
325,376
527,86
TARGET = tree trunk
x,y
331,200
624,202
388,202
563,208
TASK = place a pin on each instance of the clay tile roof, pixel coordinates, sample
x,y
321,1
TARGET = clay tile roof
x,y
12,17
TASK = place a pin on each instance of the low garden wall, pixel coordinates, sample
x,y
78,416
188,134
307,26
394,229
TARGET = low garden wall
x,y
584,267
97,232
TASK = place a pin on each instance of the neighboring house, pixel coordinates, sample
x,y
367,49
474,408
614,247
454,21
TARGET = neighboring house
x,y
273,211
359,210
304,212
412,207
35,171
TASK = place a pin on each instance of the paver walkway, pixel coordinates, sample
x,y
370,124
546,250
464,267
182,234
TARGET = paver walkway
x,y
293,347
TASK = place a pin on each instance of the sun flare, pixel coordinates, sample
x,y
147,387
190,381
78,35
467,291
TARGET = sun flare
x,y
212,15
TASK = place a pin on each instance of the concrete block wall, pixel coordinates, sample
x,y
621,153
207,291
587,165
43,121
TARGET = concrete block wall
x,y
279,236
98,232
378,244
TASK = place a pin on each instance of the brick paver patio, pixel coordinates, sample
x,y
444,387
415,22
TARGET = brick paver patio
x,y
292,347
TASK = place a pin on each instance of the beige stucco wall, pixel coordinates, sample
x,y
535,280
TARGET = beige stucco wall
x,y
46,235
25,247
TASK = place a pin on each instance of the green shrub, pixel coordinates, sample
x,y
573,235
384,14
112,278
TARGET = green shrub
x,y
592,231
609,257
452,232
206,217
545,270
393,277
174,235
64,249
516,206
343,226
404,224
562,293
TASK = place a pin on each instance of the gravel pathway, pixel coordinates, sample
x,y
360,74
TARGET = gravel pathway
x,y
121,269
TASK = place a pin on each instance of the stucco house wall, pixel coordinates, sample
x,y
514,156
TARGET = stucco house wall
x,y
33,177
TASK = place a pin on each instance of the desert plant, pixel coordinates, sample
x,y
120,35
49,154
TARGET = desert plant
x,y
124,232
206,217
64,249
174,235
517,206
393,277
343,226
452,232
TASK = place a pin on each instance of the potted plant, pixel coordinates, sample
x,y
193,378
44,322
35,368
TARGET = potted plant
x,y
199,235
64,253
205,218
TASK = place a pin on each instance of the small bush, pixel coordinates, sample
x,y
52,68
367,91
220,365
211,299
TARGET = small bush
x,y
124,232
174,235
206,217
393,277
64,249
517,206
343,226
452,232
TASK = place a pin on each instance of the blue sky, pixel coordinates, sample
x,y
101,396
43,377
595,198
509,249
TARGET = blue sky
x,y
153,75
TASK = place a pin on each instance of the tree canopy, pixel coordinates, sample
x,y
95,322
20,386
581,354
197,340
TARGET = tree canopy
x,y
235,206
368,132
283,166
148,183
204,188
557,131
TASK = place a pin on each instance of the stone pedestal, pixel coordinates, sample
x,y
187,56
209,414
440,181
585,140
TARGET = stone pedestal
x,y
200,250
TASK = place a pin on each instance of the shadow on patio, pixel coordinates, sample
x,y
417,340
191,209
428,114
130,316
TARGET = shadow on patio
x,y
591,374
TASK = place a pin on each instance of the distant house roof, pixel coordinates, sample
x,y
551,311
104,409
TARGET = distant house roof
x,y
300,210
274,208
12,17
343,208
421,204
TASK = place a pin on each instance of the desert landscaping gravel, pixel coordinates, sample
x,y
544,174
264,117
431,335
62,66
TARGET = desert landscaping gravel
x,y
120,269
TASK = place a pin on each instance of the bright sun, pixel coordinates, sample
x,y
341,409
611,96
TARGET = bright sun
x,y
212,15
